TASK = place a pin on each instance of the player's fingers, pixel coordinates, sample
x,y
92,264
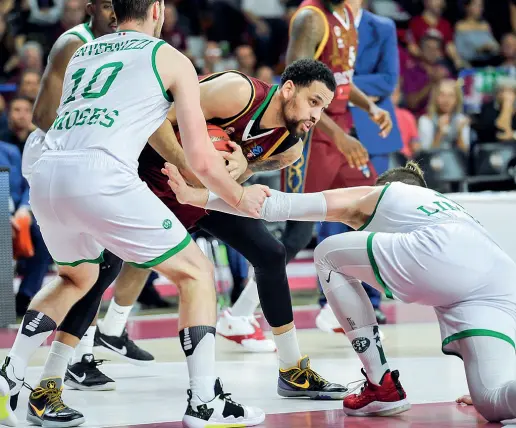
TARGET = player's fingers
x,y
234,146
226,155
267,190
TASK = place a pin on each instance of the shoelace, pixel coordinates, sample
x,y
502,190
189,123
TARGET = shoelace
x,y
227,397
360,384
53,397
95,363
310,374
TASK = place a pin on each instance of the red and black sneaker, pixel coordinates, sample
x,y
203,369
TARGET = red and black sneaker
x,y
386,399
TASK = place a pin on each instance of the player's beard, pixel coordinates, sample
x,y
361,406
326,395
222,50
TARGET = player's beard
x,y
292,123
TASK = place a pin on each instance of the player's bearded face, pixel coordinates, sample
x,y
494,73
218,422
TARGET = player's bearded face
x,y
293,118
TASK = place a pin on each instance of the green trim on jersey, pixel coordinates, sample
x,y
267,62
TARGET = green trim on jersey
x,y
370,219
173,251
374,265
158,77
73,33
88,29
471,333
96,261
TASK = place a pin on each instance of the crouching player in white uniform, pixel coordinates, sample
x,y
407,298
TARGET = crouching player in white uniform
x,y
417,246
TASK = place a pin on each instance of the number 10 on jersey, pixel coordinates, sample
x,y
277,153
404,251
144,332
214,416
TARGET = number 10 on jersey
x,y
103,73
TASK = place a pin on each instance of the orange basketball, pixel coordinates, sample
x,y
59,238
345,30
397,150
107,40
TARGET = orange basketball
x,y
218,137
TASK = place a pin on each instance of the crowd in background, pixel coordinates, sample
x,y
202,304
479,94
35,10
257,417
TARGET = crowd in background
x,y
456,91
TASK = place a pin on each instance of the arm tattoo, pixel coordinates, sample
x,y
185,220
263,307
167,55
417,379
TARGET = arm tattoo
x,y
306,34
266,165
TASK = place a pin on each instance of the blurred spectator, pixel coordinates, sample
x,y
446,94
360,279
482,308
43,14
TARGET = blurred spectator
x,y
31,57
45,12
246,59
508,51
269,28
213,62
497,119
431,23
421,76
266,74
29,85
445,126
473,36
408,126
228,22
170,33
6,48
19,122
33,269
74,14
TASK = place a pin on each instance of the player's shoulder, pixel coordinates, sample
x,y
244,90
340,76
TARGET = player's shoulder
x,y
307,16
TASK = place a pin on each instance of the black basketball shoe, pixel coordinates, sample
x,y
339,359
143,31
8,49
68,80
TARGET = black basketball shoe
x,y
124,347
86,376
46,407
302,381
221,411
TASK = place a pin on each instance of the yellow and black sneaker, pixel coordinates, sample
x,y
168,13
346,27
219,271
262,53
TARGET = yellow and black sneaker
x,y
46,407
302,381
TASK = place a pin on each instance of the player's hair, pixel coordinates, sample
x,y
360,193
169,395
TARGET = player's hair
x,y
411,173
131,10
304,72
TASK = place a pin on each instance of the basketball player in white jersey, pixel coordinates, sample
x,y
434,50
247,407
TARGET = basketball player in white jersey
x,y
83,372
417,246
86,196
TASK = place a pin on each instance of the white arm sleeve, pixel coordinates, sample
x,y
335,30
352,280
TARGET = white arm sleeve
x,y
280,206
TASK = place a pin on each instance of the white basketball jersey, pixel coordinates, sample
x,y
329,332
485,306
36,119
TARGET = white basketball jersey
x,y
113,97
82,31
404,208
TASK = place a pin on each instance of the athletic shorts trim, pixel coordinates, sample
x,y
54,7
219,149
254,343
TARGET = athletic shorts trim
x,y
96,261
374,265
155,68
370,219
163,257
471,333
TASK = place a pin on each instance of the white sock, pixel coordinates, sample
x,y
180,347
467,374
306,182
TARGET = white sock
x,y
85,346
35,328
199,346
115,320
368,346
248,301
57,361
288,349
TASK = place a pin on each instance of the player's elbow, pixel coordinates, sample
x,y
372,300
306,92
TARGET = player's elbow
x,y
200,165
41,119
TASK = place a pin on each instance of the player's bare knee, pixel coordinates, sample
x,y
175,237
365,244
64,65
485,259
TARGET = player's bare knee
x,y
82,277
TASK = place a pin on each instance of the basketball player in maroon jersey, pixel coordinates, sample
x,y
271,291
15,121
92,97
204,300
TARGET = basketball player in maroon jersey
x,y
331,158
325,30
267,122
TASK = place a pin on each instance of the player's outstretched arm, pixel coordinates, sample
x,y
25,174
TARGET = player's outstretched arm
x,y
179,76
49,96
351,206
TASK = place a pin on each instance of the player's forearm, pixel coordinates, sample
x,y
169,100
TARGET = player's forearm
x,y
359,99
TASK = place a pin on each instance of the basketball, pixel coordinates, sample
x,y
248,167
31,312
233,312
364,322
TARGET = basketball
x,y
219,138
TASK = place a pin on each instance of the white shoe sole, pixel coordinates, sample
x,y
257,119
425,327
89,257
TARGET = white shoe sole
x,y
7,417
111,386
36,421
378,408
140,363
192,422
